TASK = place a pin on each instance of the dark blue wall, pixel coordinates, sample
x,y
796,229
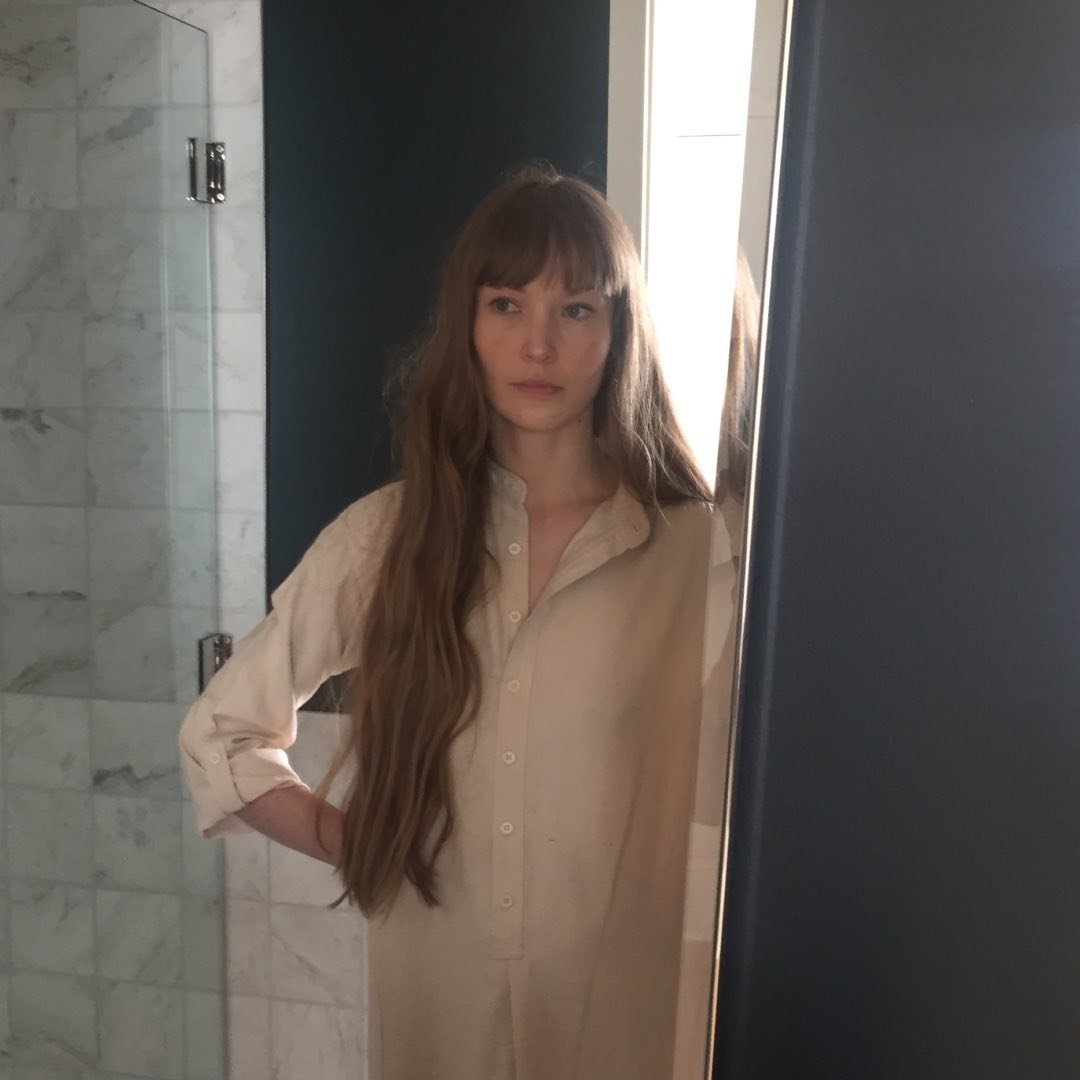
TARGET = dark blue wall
x,y
385,124
905,890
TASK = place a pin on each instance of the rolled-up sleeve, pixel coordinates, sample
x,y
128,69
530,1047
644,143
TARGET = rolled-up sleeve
x,y
234,739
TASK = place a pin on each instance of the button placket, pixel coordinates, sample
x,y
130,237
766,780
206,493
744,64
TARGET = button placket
x,y
508,779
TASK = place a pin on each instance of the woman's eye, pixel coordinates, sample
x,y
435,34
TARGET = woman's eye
x,y
578,311
503,305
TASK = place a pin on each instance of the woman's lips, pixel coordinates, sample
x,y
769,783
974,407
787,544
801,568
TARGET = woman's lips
x,y
539,389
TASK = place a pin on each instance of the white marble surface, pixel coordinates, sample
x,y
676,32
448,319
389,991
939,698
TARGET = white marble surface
x,y
204,943
137,844
316,955
41,359
235,46
43,550
193,558
44,645
141,1030
53,1021
41,260
37,159
41,456
247,945
52,927
125,361
133,653
204,1037
127,458
50,835
248,1029
133,749
129,557
120,158
37,62
191,363
241,443
46,742
140,937
204,865
120,50
239,361
124,255
193,450
317,1040
238,243
247,866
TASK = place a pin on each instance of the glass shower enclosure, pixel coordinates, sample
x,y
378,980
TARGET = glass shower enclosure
x,y
111,910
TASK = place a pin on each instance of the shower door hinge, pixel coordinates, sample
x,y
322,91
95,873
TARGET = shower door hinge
x,y
214,650
206,172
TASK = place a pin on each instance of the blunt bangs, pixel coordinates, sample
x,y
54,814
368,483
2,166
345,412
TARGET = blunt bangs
x,y
542,228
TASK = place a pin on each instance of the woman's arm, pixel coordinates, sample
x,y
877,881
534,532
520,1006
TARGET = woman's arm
x,y
288,815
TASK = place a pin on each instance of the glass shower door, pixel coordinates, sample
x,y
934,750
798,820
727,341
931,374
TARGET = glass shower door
x,y
111,913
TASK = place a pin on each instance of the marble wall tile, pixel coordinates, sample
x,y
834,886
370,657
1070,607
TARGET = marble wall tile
x,y
193,558
5,956
124,254
235,46
43,550
142,1030
41,359
191,363
52,927
316,955
188,238
317,1040
204,943
133,654
241,440
129,557
193,446
248,1033
243,575
127,458
247,945
188,59
46,742
133,749
121,163
42,457
298,879
53,1021
241,621
204,1036
247,866
121,50
44,646
189,625
204,865
240,361
240,127
140,937
137,844
238,242
37,65
125,361
41,267
49,835
37,160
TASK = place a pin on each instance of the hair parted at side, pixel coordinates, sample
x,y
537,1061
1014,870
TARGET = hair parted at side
x,y
416,685
737,420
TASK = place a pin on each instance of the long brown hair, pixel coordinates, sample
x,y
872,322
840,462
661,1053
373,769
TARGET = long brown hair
x,y
737,419
417,681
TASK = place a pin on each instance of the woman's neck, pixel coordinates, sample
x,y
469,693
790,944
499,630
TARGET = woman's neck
x,y
560,468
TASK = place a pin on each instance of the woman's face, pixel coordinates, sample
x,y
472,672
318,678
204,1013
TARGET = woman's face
x,y
542,350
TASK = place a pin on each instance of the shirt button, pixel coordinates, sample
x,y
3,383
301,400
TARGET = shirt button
x,y
514,548
215,759
509,757
513,686
515,616
506,828
506,900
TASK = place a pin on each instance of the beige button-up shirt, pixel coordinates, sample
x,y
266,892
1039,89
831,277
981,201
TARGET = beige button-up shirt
x,y
556,951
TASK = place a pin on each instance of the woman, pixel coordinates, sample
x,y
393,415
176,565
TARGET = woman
x,y
523,612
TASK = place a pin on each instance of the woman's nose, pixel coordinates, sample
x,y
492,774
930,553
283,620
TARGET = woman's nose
x,y
539,340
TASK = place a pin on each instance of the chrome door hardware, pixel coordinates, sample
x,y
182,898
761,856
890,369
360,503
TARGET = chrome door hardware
x,y
206,174
214,650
